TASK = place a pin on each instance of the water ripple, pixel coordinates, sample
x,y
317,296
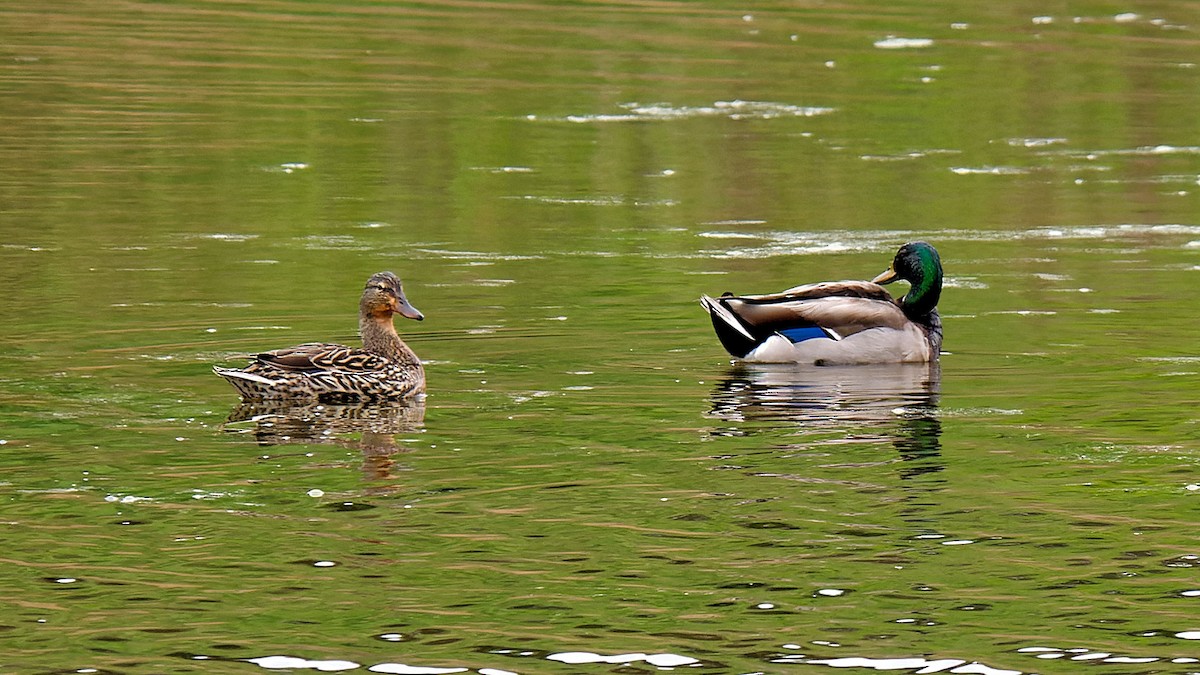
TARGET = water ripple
x,y
914,664
893,42
737,110
1140,151
780,243
280,662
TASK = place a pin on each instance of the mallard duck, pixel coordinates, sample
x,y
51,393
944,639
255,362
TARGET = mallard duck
x,y
839,322
384,368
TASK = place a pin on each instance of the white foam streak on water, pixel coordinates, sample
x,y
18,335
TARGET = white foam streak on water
x,y
333,242
972,284
286,167
1034,142
503,169
832,247
403,669
744,235
597,201
1170,359
915,664
475,255
1110,231
737,109
988,171
779,243
291,662
910,155
893,42
660,660
1141,151
666,660
222,236
127,499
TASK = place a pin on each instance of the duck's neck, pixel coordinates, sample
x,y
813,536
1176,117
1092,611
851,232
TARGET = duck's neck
x,y
922,298
379,337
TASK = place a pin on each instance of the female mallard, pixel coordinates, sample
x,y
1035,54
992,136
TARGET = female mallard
x,y
839,322
385,367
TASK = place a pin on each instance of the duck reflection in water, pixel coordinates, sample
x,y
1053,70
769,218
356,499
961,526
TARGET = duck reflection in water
x,y
898,402
376,425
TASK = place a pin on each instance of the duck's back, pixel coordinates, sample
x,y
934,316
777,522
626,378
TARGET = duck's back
x,y
828,289
326,372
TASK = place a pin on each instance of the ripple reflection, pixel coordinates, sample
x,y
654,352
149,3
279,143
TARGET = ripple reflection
x,y
627,662
896,401
376,425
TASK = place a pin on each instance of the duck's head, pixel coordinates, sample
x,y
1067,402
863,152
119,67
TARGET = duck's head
x,y
384,296
917,263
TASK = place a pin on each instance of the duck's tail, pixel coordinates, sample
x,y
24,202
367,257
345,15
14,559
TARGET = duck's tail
x,y
249,385
733,334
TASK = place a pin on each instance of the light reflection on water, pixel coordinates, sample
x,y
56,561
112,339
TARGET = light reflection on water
x,y
788,243
826,395
789,655
891,403
370,427
734,110
277,423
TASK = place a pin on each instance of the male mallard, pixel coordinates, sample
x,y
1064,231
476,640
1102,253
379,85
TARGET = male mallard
x,y
384,367
839,322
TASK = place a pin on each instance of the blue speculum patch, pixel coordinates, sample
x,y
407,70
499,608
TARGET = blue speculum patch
x,y
803,333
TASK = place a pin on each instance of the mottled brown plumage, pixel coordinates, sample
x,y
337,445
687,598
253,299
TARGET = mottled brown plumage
x,y
383,368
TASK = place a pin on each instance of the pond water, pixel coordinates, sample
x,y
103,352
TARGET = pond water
x,y
591,486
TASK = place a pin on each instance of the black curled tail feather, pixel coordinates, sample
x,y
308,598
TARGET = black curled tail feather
x,y
733,335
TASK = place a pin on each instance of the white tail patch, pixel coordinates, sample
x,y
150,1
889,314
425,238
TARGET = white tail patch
x,y
231,372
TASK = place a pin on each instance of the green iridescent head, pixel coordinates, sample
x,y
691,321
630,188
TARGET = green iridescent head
x,y
917,263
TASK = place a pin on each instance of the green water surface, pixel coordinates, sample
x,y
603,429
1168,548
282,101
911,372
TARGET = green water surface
x,y
591,486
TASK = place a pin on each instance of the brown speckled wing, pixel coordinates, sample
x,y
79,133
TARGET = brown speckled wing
x,y
299,358
350,360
